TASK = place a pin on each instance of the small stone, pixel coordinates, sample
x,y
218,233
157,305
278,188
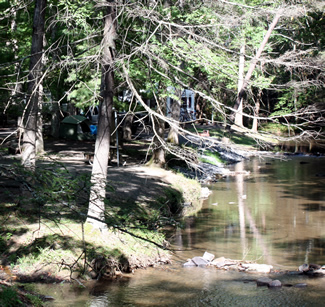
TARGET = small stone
x,y
220,259
275,283
205,192
300,285
304,267
263,281
208,256
200,261
48,298
189,263
219,262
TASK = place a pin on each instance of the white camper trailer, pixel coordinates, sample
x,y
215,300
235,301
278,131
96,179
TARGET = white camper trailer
x,y
188,105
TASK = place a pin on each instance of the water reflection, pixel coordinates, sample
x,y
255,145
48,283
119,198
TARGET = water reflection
x,y
268,215
275,215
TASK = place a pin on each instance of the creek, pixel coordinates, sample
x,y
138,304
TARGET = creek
x,y
275,215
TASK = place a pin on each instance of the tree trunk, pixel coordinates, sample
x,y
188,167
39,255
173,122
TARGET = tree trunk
x,y
55,120
175,108
158,152
257,111
96,209
39,131
239,113
34,80
158,125
127,126
242,90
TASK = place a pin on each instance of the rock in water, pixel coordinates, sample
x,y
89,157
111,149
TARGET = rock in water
x,y
208,256
263,281
189,263
275,283
205,192
304,267
200,261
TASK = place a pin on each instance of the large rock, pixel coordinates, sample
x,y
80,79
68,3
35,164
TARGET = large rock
x,y
200,261
189,263
208,256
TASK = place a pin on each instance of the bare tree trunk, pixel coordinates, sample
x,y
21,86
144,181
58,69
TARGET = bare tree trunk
x,y
127,126
175,108
239,113
242,90
158,125
158,153
55,120
34,81
96,209
39,131
256,111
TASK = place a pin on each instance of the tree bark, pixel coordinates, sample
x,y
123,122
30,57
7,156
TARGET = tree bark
x,y
96,209
158,152
127,126
34,80
158,125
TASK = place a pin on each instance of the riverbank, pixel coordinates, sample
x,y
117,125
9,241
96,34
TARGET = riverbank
x,y
141,202
55,244
51,243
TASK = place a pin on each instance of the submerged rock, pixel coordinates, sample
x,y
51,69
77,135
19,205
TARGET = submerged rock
x,y
189,263
275,283
312,269
263,281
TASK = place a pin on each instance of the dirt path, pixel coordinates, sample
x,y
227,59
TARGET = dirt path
x,y
133,182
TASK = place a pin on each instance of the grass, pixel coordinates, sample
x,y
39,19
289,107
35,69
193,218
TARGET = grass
x,y
211,157
234,137
50,235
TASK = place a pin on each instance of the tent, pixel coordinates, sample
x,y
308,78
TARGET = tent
x,y
74,126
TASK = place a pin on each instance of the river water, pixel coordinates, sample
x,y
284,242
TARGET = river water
x,y
273,215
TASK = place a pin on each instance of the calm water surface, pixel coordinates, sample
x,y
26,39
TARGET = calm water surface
x,y
274,215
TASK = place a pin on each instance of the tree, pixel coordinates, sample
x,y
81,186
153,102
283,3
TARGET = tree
x,y
30,118
96,211
241,90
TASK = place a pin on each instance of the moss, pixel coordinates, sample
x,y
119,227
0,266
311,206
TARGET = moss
x,y
211,157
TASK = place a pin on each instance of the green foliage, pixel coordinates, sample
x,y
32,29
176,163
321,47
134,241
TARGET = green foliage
x,y
170,202
34,300
9,297
211,158
54,191
276,128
